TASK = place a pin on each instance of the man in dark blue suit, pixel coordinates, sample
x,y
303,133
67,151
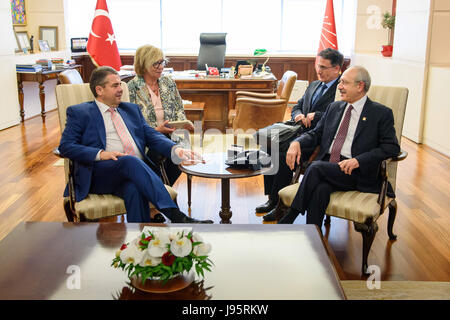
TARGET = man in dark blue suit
x,y
355,135
308,110
106,139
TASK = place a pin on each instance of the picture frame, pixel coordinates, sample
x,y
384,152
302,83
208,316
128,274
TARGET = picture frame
x,y
17,48
18,13
23,41
49,33
43,46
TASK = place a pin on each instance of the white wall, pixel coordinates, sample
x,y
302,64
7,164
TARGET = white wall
x,y
9,103
407,66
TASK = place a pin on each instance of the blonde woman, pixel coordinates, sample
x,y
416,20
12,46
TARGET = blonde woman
x,y
158,98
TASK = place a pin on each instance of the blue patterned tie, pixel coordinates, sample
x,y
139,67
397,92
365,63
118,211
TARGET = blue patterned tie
x,y
318,93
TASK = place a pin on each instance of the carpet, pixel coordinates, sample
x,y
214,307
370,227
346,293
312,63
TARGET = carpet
x,y
397,290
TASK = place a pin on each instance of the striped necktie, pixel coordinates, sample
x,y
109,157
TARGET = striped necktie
x,y
122,132
335,155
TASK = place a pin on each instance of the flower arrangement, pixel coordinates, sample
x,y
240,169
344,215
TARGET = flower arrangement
x,y
162,253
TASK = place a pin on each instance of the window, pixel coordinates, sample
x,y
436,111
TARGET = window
x,y
283,26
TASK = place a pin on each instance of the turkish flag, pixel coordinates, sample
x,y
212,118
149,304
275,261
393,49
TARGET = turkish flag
x,y
328,39
102,45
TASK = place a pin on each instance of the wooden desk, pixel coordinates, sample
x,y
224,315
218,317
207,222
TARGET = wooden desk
x,y
195,112
39,77
219,95
251,262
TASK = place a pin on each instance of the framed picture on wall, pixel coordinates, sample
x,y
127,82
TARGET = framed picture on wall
x,y
18,12
50,34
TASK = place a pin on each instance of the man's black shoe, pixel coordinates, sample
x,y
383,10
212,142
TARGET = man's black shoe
x,y
289,218
158,218
266,207
274,215
187,219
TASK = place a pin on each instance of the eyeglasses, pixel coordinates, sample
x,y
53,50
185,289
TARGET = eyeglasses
x,y
163,62
323,68
345,82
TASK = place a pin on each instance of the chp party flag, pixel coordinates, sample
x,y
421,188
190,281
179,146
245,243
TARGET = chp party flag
x,y
328,38
102,45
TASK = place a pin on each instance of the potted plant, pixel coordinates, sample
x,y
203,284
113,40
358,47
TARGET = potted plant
x,y
388,23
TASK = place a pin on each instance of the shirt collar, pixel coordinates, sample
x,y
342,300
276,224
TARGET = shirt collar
x,y
330,83
358,105
103,107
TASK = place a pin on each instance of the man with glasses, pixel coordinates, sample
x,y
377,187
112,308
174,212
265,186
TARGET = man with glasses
x,y
308,110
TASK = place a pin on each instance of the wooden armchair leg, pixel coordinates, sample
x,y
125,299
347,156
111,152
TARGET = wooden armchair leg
x,y
69,213
392,214
368,231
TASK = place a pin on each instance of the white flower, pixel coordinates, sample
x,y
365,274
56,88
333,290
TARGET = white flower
x,y
131,254
158,245
181,247
202,249
149,261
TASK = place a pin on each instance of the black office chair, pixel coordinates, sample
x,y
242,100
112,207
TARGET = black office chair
x,y
212,50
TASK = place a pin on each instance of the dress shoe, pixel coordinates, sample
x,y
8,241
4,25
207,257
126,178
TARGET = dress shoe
x,y
187,219
274,215
158,218
266,207
289,218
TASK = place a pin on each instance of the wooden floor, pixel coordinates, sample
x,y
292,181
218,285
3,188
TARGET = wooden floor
x,y
32,186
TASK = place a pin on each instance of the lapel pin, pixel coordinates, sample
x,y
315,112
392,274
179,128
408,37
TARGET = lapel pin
x,y
364,119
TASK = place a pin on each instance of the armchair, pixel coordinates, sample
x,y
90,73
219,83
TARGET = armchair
x,y
258,110
364,209
94,206
70,76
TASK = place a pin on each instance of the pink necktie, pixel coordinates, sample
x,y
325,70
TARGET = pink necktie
x,y
122,132
335,155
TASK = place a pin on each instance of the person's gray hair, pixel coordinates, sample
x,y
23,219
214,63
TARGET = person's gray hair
x,y
98,78
363,75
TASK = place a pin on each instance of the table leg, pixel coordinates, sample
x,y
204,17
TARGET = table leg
x,y
22,111
225,212
42,98
189,186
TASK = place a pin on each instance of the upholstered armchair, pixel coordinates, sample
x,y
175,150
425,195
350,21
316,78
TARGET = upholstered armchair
x,y
258,110
94,206
70,76
364,209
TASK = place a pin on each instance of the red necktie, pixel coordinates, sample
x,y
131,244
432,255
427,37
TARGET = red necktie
x,y
335,155
122,132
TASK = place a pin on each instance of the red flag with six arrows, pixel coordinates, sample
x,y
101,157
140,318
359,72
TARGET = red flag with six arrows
x,y
328,39
102,45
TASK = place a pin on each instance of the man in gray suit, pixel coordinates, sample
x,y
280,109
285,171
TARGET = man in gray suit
x,y
308,110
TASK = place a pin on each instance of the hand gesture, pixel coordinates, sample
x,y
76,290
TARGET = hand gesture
x,y
111,155
348,165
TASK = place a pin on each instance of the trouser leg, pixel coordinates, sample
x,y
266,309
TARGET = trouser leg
x,y
318,204
109,176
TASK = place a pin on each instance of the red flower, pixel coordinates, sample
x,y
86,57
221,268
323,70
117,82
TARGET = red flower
x,y
149,238
168,259
123,247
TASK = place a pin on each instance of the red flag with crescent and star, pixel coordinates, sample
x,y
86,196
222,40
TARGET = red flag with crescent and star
x,y
102,45
328,38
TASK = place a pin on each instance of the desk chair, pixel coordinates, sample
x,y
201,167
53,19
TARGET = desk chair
x,y
94,206
212,50
364,209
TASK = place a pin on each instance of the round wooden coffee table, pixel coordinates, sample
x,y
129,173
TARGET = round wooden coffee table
x,y
215,168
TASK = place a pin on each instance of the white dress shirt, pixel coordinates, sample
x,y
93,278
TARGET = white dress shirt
x,y
113,142
354,119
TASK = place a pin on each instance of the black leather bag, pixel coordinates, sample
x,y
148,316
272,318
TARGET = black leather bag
x,y
281,132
